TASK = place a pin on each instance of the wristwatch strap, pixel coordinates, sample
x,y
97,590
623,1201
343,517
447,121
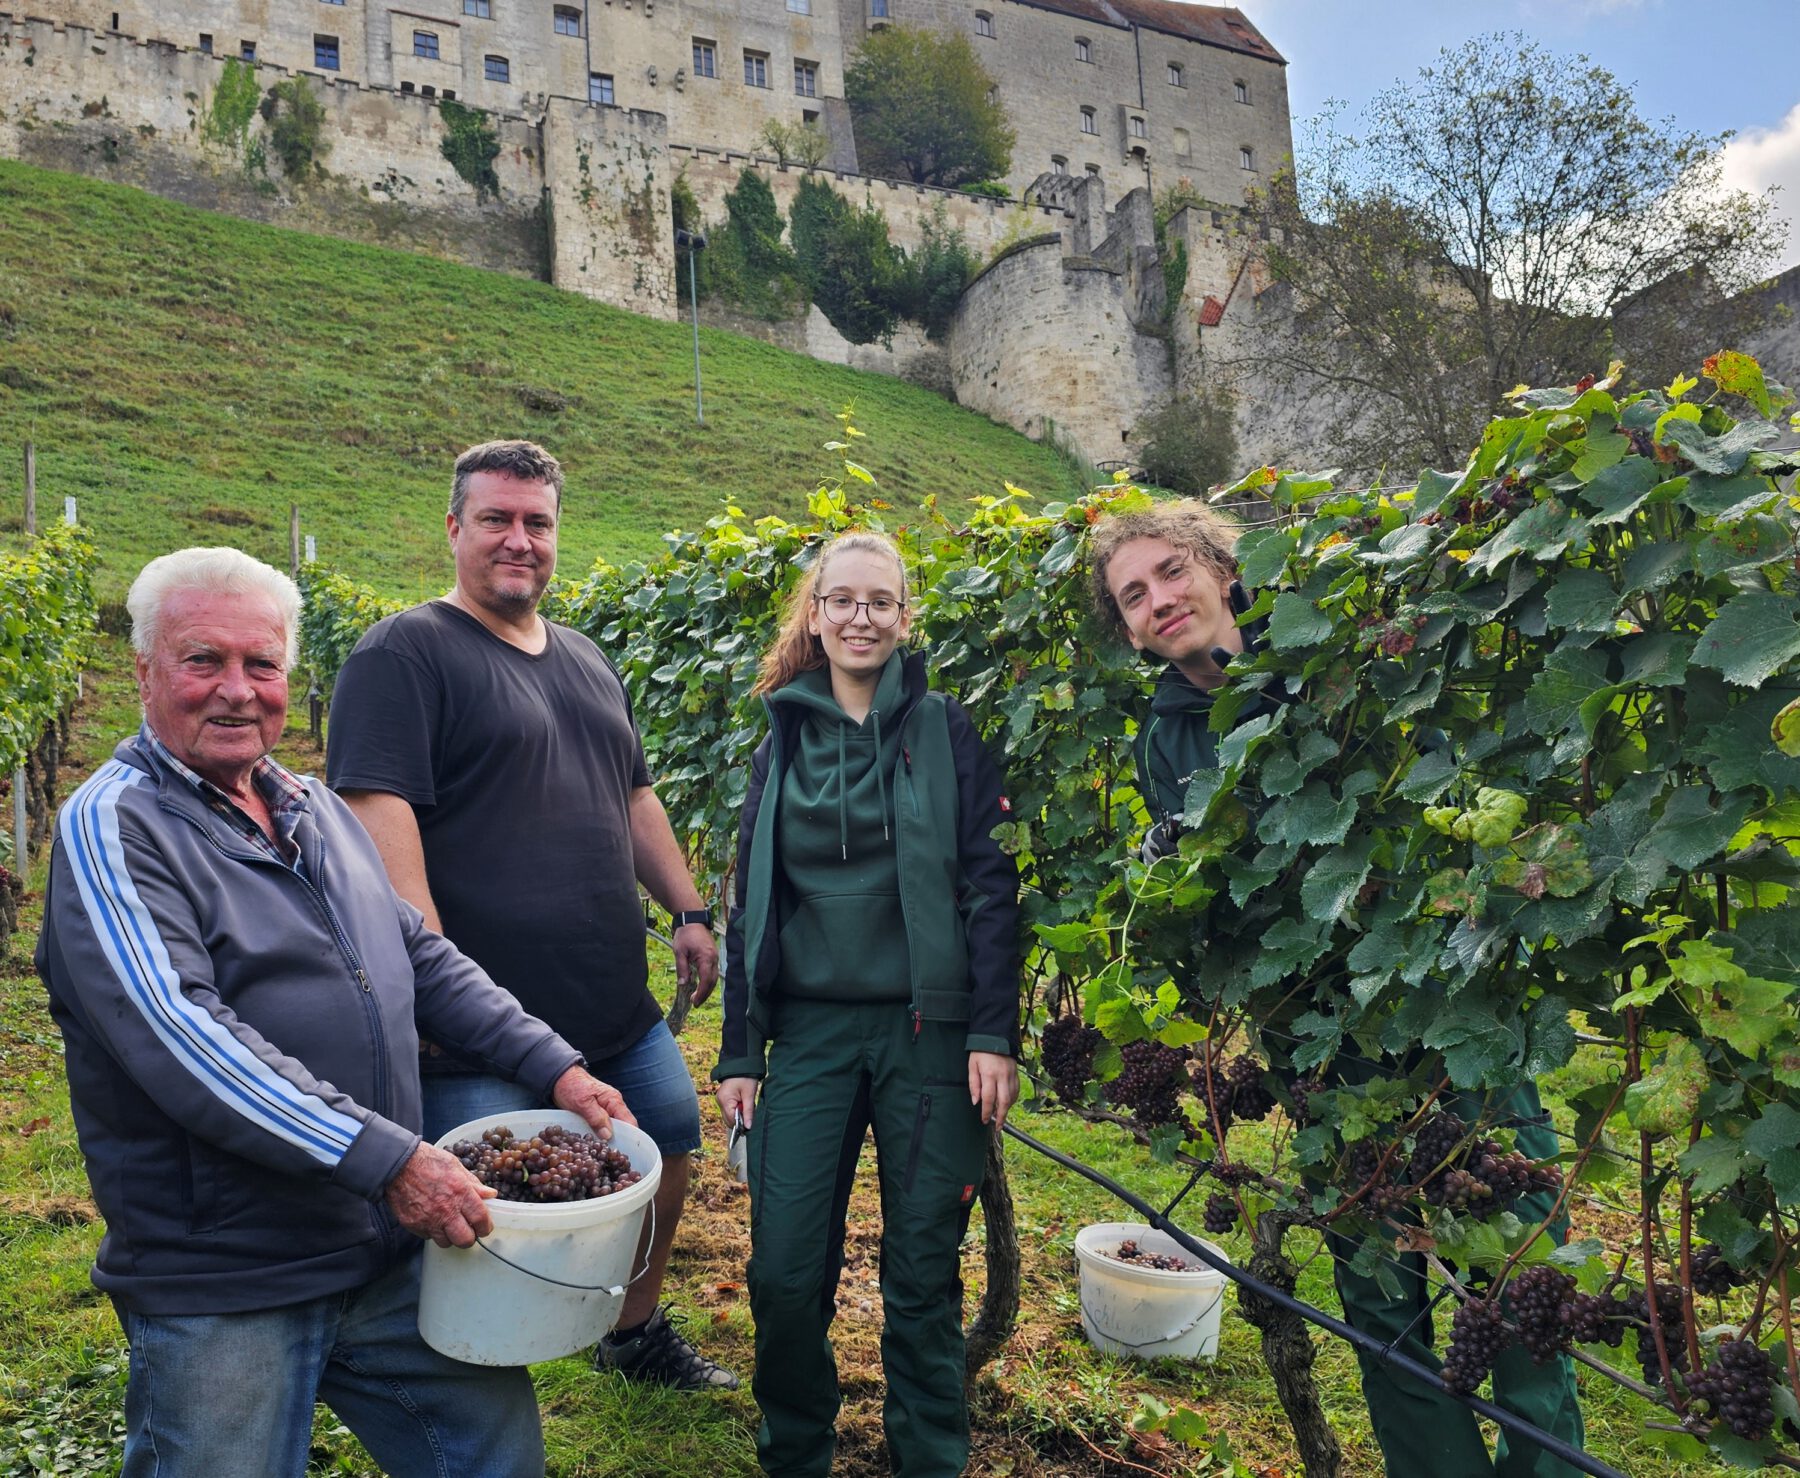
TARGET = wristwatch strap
x,y
693,916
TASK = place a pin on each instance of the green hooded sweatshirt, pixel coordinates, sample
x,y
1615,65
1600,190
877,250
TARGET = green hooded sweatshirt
x,y
843,935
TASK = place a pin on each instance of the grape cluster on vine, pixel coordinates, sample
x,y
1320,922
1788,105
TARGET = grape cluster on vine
x,y
1151,1082
1067,1047
1597,1319
1711,1274
1250,1096
1301,1092
1671,1311
1380,1196
1483,1177
1736,1387
553,1165
1543,1308
1129,1251
1233,1173
1221,1214
1478,1336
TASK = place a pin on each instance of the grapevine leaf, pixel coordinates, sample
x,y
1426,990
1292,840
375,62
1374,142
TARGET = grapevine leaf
x,y
1542,531
1729,498
1333,881
1651,566
1547,859
1603,450
1737,373
1665,1099
1582,600
1617,491
1296,622
1262,553
1714,1163
1428,777
1720,455
1314,815
1569,678
1785,729
1775,1136
1286,948
1656,659
1121,1021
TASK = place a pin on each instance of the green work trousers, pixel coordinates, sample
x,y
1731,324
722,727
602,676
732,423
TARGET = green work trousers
x,y
834,1070
1424,1433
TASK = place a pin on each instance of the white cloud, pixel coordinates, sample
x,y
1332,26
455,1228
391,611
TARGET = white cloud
x,y
1760,157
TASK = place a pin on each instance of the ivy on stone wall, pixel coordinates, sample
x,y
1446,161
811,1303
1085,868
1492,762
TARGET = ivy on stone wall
x,y
226,121
471,145
296,120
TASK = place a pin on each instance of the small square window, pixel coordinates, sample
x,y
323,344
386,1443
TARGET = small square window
x,y
1246,159
407,87
800,7
449,94
706,62
480,9
809,115
756,69
1241,91
567,20
497,69
206,43
1084,49
247,51
427,91
325,53
600,88
1087,121
878,9
1137,129
1176,76
425,44
331,2
984,23
806,79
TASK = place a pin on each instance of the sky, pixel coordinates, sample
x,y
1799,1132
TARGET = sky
x,y
1729,65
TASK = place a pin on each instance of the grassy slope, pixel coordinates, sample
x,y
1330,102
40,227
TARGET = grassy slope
x,y
187,375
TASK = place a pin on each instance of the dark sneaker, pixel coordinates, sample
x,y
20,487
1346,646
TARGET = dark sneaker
x,y
662,1357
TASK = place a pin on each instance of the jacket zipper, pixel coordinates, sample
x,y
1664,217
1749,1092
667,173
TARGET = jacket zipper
x,y
381,1106
918,1141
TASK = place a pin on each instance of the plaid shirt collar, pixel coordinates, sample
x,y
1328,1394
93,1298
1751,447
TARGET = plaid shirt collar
x,y
283,792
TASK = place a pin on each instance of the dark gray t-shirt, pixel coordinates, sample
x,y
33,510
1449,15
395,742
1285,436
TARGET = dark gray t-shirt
x,y
520,770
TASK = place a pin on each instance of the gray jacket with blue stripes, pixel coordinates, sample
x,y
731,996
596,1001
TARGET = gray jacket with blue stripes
x,y
240,1038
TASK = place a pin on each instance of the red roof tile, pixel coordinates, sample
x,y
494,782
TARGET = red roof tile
x,y
1212,311
1216,25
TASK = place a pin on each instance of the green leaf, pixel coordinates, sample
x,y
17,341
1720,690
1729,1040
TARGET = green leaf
x,y
1752,637
1296,622
1121,1020
1744,544
1651,566
1617,491
1785,729
1656,659
1333,881
1570,676
1775,1136
1543,531
1428,776
1665,1099
1582,600
1714,1163
1603,450
1263,553
1720,455
1728,498
1314,816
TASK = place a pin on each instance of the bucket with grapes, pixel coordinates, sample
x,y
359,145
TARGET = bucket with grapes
x,y
551,1277
1144,1295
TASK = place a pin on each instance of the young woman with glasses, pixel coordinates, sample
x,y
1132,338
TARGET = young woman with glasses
x,y
872,981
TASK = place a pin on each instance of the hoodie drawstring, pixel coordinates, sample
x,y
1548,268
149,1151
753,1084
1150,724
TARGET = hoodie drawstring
x,y
843,801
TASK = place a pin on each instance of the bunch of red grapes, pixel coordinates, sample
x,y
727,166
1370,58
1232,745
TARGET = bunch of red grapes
x,y
553,1165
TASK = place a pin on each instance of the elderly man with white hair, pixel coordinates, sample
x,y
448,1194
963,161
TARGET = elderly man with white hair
x,y
237,984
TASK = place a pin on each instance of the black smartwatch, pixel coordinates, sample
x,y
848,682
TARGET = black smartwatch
x,y
693,916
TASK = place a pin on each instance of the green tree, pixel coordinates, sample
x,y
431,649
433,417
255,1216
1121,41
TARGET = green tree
x,y
936,275
1190,441
1499,222
922,109
856,276
296,120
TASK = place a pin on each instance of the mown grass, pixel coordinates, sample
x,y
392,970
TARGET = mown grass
x,y
186,376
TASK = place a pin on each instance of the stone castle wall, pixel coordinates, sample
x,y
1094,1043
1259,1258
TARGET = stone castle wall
x,y
135,112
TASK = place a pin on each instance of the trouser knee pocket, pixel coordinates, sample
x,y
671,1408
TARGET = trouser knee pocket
x,y
946,1148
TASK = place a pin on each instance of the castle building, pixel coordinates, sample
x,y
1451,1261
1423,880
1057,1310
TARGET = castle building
x,y
1135,91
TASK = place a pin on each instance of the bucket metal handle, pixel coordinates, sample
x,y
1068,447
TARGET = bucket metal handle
x,y
617,1290
1161,1339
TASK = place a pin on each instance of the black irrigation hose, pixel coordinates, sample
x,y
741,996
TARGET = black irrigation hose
x,y
1515,1425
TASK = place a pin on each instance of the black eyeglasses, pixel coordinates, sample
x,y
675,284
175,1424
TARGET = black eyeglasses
x,y
840,610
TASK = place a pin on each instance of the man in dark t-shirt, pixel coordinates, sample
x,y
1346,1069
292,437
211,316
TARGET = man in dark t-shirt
x,y
493,758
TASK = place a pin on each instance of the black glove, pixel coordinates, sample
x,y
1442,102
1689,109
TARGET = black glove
x,y
1162,840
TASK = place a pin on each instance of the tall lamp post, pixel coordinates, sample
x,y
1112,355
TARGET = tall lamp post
x,y
693,243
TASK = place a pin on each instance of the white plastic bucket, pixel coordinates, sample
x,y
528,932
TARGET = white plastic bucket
x,y
1151,1313
476,1308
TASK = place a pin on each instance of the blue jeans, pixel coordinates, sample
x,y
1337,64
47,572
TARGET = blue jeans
x,y
231,1395
650,1075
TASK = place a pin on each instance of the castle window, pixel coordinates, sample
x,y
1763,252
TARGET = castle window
x,y
450,94
1084,49
407,87
809,115
1176,77
206,42
1058,165
878,9
567,20
600,88
427,91
1246,158
706,61
425,44
247,51
1094,170
984,23
1087,121
800,7
480,9
1182,146
806,79
1137,129
1241,91
325,53
331,2
497,69
756,69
